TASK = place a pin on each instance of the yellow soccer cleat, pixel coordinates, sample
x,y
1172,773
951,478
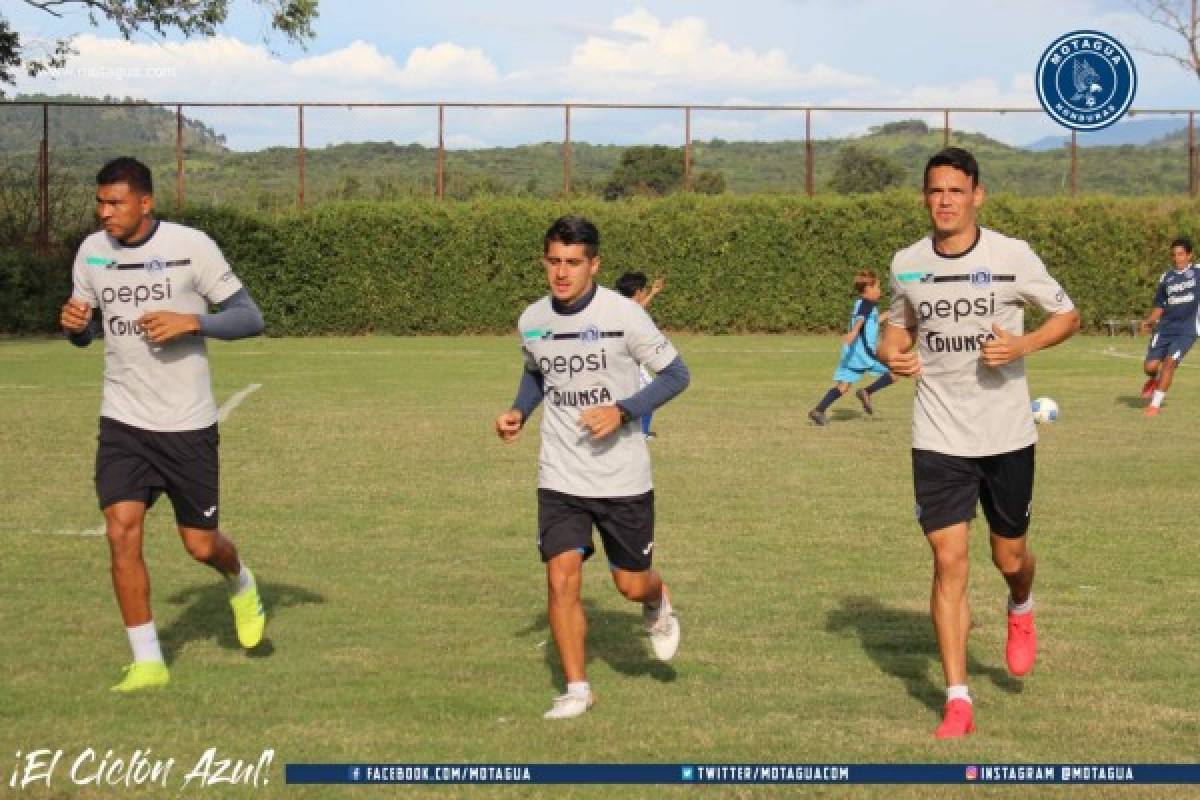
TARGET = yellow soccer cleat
x,y
143,675
248,616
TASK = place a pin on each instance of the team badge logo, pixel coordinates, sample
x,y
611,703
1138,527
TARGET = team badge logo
x,y
981,279
155,265
1086,80
589,334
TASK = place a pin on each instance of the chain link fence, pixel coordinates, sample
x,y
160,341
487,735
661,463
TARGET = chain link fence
x,y
275,157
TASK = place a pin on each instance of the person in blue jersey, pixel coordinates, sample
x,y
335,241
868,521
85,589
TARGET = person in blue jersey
x,y
583,345
149,285
637,288
1173,320
858,350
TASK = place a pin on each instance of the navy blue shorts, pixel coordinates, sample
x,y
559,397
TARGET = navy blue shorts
x,y
1174,345
948,488
139,465
626,526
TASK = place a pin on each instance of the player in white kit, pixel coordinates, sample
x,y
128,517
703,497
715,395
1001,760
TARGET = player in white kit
x,y
957,327
583,345
148,285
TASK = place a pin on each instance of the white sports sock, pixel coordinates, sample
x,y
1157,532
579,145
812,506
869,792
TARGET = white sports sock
x,y
1157,399
958,692
1020,608
240,582
579,688
143,639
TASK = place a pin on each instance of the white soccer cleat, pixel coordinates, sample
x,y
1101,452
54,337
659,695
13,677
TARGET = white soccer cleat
x,y
663,628
569,705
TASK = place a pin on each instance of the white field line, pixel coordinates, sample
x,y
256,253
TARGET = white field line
x,y
236,400
222,414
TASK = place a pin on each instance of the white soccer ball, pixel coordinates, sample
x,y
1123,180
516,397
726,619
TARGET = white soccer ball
x,y
1044,410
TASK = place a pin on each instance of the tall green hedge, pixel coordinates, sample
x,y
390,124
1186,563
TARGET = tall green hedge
x,y
759,263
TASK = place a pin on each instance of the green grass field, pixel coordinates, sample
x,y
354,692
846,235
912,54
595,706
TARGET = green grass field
x,y
393,537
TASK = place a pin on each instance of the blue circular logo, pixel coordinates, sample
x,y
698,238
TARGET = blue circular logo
x,y
1086,80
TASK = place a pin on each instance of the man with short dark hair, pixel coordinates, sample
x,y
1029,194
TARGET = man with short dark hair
x,y
150,284
1174,322
957,327
583,345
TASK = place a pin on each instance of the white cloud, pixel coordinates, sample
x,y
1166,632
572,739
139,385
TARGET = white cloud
x,y
645,56
225,69
448,64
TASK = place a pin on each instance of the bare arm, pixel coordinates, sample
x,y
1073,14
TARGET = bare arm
x,y
652,292
896,350
1006,348
849,338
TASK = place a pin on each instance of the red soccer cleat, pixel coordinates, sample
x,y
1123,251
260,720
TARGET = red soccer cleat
x,y
1148,388
959,720
1151,411
1021,649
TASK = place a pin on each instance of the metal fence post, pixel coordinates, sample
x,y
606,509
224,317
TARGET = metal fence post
x,y
441,154
300,128
687,149
43,234
1193,179
566,148
945,127
808,153
1074,162
178,157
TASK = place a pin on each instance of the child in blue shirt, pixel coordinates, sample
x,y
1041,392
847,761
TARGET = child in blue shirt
x,y
858,350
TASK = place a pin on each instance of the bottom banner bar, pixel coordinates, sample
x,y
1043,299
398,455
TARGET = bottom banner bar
x,y
712,773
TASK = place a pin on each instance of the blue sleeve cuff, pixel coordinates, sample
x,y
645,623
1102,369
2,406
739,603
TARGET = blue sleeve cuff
x,y
667,384
530,392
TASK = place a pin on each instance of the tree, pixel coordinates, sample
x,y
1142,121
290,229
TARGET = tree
x,y
709,182
1171,14
859,170
909,126
293,18
654,170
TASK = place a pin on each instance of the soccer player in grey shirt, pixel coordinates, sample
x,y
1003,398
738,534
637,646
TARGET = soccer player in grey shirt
x,y
150,284
583,346
957,328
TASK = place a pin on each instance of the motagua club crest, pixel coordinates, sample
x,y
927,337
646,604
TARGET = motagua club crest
x,y
1086,80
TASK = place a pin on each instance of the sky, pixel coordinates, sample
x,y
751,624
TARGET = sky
x,y
971,53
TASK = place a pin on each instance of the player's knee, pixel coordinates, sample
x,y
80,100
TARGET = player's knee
x,y
124,536
562,584
1010,562
202,552
630,585
200,547
951,564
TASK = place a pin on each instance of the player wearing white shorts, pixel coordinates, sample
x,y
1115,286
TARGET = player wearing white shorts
x,y
583,345
957,327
